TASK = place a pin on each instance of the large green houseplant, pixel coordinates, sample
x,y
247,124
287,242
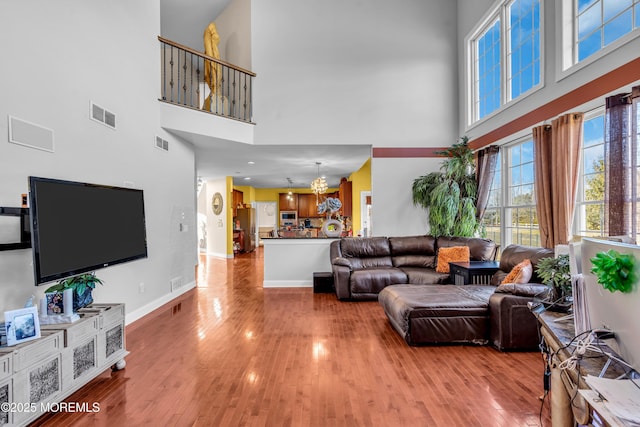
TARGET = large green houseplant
x,y
450,194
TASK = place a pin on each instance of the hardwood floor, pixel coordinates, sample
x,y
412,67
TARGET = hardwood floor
x,y
230,353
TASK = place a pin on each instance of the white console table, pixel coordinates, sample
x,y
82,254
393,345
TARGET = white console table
x,y
38,373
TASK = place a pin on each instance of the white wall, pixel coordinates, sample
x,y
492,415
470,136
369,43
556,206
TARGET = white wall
x,y
234,29
64,55
335,72
393,211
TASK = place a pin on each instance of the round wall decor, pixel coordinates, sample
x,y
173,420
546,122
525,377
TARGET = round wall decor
x,y
216,203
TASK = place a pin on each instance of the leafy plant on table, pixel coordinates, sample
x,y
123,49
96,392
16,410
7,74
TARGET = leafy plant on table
x,y
78,283
615,271
555,273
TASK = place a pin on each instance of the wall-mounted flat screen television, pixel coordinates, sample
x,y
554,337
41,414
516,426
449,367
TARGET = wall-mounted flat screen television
x,y
79,227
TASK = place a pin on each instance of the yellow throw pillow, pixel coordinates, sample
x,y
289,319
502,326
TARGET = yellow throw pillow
x,y
521,273
452,254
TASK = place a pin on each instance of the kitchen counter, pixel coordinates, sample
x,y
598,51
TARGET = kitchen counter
x,y
291,261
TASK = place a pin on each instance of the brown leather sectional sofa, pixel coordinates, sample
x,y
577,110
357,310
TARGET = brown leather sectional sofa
x,y
362,267
424,307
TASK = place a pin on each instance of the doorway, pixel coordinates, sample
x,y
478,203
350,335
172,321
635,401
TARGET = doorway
x,y
366,222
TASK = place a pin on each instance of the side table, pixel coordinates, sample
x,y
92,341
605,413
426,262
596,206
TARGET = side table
x,y
473,272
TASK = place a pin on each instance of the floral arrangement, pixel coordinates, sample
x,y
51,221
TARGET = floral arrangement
x,y
330,205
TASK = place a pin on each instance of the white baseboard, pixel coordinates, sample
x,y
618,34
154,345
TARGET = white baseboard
x,y
287,284
154,305
220,255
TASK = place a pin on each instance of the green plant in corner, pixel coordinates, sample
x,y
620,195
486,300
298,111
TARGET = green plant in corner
x,y
615,271
555,273
450,195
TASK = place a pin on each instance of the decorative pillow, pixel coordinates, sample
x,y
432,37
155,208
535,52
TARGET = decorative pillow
x,y
451,254
521,273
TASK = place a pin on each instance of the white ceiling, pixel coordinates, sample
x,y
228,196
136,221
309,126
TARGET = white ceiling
x,y
183,21
273,164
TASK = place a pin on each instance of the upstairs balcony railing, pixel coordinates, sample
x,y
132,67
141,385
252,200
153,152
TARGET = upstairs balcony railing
x,y
194,80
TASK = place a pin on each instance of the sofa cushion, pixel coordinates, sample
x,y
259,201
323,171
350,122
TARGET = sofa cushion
x,y
451,254
372,252
413,251
417,245
425,276
479,249
373,280
521,273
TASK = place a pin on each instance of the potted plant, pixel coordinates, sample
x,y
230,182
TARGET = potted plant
x,y
555,273
82,286
450,195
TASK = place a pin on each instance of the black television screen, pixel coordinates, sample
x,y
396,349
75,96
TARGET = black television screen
x,y
79,227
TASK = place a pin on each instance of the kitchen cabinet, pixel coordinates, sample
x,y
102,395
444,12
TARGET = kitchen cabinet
x,y
286,204
345,197
307,207
237,198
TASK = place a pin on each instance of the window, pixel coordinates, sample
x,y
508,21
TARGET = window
x,y
524,47
589,216
521,219
512,32
598,23
511,215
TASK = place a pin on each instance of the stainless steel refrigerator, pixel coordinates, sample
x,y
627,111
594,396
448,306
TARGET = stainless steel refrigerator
x,y
247,218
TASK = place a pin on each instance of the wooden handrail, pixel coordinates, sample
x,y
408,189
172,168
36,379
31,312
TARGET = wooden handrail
x,y
202,55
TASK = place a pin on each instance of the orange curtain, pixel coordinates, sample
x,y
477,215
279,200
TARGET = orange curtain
x,y
567,149
558,151
543,183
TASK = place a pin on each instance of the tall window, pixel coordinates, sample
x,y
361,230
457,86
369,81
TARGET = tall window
x,y
512,32
598,23
524,47
511,215
521,219
589,217
488,70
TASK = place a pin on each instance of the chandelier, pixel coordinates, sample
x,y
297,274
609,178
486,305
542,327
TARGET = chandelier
x,y
289,193
319,185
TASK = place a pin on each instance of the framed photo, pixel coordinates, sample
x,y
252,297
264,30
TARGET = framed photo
x,y
22,325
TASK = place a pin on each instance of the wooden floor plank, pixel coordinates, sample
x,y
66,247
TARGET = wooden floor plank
x,y
230,353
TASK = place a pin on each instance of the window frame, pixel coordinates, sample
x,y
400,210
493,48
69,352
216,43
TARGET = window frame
x,y
579,222
499,10
567,27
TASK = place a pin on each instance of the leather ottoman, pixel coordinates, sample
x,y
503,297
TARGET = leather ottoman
x,y
438,314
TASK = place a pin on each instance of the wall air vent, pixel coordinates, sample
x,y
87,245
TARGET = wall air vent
x,y
30,135
162,144
103,116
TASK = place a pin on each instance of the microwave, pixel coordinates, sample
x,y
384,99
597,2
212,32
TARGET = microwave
x,y
288,218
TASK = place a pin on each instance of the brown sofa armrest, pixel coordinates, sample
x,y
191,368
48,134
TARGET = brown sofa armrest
x,y
533,290
341,261
341,278
513,326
